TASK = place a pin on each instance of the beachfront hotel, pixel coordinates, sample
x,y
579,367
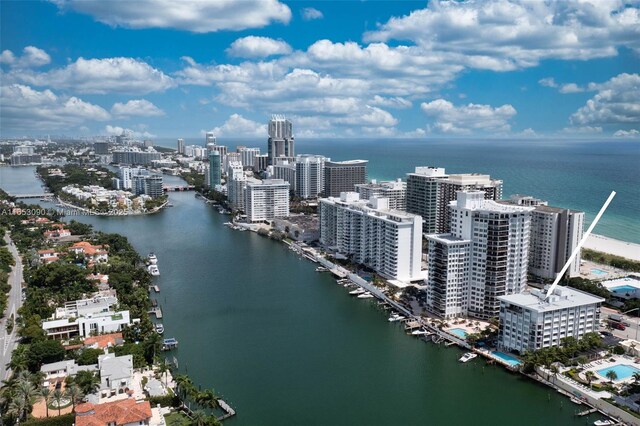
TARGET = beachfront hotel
x,y
266,200
555,233
497,236
529,321
370,233
343,176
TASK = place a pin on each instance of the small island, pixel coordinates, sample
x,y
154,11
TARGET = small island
x,y
96,190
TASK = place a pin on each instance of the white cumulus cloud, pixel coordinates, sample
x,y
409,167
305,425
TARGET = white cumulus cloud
x,y
238,126
633,133
617,101
258,47
311,13
117,130
31,57
137,107
25,108
465,119
99,76
199,16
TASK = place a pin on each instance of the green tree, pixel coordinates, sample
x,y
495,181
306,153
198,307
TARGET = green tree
x,y
87,381
44,352
74,393
612,375
589,375
58,396
89,356
45,393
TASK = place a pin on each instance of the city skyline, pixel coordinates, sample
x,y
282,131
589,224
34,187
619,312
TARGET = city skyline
x,y
335,69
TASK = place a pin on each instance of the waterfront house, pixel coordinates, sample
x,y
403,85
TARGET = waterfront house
x,y
58,371
57,232
116,374
125,412
91,253
104,341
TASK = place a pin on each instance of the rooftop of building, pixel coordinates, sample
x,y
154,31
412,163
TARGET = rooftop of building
x,y
448,239
392,184
347,163
561,298
472,179
104,340
124,411
377,206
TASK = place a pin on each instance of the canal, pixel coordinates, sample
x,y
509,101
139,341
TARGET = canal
x,y
286,345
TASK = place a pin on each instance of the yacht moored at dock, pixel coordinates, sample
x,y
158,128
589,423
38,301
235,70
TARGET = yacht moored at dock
x,y
159,328
168,344
357,291
467,357
395,317
152,258
365,295
153,270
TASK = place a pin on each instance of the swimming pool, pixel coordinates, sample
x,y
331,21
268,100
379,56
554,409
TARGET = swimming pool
x,y
596,271
623,371
623,289
459,332
511,360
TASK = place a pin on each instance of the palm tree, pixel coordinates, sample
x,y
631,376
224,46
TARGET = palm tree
x,y
185,385
87,381
590,375
199,418
554,369
612,375
45,393
208,399
58,396
74,393
636,377
18,408
27,391
163,369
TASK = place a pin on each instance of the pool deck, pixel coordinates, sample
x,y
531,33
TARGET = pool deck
x,y
603,364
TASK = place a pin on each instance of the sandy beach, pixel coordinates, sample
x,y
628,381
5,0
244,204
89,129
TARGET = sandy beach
x,y
613,246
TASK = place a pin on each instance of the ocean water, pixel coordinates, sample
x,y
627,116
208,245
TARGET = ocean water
x,y
571,174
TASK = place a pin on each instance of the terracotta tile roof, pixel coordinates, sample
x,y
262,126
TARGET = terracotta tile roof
x,y
119,412
46,251
103,341
88,249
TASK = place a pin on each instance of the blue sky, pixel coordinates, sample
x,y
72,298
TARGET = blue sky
x,y
336,68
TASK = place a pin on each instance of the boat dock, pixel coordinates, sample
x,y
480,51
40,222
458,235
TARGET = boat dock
x,y
412,325
587,412
228,411
155,288
168,344
157,312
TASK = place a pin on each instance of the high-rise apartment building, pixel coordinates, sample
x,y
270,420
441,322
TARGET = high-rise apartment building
x,y
181,146
498,239
343,176
531,321
449,187
247,155
395,191
388,241
281,140
215,169
133,155
260,163
448,278
286,172
422,195
309,175
555,233
266,200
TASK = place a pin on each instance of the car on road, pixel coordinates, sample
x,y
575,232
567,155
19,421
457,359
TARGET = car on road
x,y
618,325
606,333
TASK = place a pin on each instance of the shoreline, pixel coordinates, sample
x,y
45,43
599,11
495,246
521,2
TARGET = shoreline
x,y
613,246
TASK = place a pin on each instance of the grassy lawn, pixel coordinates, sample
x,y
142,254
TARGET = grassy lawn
x,y
177,419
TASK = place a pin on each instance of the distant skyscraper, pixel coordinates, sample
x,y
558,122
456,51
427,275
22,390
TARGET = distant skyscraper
x,y
215,169
209,138
343,176
281,140
181,146
395,191
260,163
247,155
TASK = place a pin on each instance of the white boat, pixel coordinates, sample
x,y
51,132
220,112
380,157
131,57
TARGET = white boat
x,y
395,317
365,295
467,357
357,291
159,328
419,332
604,423
153,270
152,258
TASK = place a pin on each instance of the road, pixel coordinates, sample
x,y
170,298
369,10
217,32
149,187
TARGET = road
x,y
632,331
8,342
